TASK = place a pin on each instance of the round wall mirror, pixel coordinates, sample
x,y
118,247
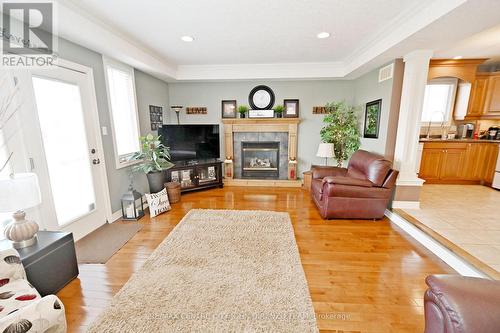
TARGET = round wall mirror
x,y
261,98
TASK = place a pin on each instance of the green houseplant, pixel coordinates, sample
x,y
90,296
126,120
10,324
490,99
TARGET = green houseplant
x,y
278,110
155,158
341,129
242,110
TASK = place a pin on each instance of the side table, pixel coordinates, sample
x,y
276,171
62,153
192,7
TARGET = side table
x,y
50,263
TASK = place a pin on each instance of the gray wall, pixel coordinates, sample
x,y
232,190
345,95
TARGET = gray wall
x,y
367,89
310,93
149,91
210,94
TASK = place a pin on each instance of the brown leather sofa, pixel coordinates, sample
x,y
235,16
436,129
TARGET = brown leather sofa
x,y
459,304
360,191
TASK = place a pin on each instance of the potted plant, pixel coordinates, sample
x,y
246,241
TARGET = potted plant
x,y
341,129
278,110
155,158
242,110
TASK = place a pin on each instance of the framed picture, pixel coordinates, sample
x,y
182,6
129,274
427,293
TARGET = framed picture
x,y
175,176
291,108
229,109
372,119
155,116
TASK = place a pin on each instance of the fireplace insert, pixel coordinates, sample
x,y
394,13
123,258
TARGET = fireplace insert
x,y
260,160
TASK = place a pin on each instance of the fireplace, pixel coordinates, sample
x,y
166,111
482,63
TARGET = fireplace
x,y
260,160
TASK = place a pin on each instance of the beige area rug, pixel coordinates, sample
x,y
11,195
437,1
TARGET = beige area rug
x,y
100,245
217,271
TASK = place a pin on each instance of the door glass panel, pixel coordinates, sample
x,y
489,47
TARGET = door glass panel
x,y
66,149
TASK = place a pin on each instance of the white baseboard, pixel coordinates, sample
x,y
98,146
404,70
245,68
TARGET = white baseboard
x,y
406,204
115,216
457,263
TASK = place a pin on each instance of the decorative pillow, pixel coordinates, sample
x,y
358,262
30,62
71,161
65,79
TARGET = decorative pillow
x,y
158,202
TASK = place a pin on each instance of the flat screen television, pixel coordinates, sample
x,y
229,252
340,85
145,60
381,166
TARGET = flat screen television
x,y
191,142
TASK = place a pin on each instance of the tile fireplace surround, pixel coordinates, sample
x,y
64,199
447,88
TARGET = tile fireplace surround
x,y
262,137
283,130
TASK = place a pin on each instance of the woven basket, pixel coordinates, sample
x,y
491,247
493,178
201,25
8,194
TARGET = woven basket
x,y
173,191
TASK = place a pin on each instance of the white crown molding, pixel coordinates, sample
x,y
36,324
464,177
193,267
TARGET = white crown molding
x,y
112,42
78,26
421,14
260,71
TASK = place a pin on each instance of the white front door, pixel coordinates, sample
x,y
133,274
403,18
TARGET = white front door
x,y
63,140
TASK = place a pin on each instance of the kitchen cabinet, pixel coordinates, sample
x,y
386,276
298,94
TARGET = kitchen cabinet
x,y
492,102
478,96
452,164
489,172
474,166
484,102
431,164
458,162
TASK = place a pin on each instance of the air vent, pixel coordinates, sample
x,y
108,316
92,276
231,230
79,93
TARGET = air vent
x,y
385,73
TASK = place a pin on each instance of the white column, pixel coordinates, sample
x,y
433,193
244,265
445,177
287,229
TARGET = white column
x,y
410,113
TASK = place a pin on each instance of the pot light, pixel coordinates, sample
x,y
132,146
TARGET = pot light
x,y
323,35
457,57
187,39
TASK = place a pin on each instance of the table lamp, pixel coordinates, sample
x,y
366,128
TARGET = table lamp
x,y
20,191
325,150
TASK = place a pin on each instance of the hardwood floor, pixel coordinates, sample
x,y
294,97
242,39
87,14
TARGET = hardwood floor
x,y
364,276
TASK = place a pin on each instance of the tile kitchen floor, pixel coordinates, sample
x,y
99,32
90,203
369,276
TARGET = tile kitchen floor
x,y
466,215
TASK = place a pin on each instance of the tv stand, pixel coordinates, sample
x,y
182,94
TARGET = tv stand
x,y
196,175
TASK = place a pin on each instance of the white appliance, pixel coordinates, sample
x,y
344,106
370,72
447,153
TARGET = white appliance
x,y
496,180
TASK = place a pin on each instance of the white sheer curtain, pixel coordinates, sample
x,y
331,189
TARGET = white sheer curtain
x,y
8,107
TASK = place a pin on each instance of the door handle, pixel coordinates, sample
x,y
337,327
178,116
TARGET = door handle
x,y
96,161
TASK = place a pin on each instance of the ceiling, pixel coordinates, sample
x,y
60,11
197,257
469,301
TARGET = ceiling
x,y
247,39
248,32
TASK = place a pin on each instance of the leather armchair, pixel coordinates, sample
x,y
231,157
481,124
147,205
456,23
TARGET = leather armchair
x,y
459,304
360,191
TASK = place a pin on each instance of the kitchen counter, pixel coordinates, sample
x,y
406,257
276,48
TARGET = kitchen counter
x,y
460,140
458,161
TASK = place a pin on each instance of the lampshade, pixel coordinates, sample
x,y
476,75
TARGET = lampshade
x,y
325,150
20,191
176,108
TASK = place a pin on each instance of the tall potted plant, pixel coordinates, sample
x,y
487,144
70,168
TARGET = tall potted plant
x,y
341,129
155,158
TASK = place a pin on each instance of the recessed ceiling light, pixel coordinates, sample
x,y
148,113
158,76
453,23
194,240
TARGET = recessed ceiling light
x,y
457,57
323,34
187,38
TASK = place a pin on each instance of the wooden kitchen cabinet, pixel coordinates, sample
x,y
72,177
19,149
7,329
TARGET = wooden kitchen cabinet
x,y
431,164
458,162
481,161
477,97
474,165
492,102
484,101
453,164
491,163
